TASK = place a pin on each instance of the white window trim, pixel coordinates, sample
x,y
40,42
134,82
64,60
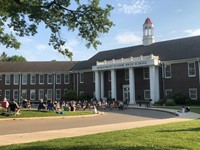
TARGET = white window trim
x,y
65,78
31,79
144,73
8,98
166,90
80,77
34,93
167,77
7,75
49,98
40,80
48,79
14,94
58,98
81,92
16,83
194,69
57,78
23,92
39,96
190,89
24,75
147,98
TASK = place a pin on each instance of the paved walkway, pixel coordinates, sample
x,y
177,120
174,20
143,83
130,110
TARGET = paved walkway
x,y
8,139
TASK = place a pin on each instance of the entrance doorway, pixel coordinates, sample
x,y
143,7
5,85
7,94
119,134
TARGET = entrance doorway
x,y
126,93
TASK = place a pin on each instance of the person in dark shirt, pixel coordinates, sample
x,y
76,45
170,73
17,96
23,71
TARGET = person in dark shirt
x,y
14,107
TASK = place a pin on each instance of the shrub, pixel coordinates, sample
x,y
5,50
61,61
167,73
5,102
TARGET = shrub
x,y
170,102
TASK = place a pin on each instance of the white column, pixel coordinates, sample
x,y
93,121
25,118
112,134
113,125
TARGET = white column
x,y
113,84
132,85
154,83
102,84
97,85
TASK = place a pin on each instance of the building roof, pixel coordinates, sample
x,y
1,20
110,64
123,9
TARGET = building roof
x,y
148,21
177,49
37,66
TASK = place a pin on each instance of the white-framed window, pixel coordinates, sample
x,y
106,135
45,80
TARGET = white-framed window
x,y
49,78
15,94
168,93
81,78
33,79
126,73
191,69
58,94
41,79
65,91
7,94
193,93
24,94
109,76
32,94
146,73
168,71
41,94
58,78
81,93
49,94
147,94
24,79
16,79
7,79
66,78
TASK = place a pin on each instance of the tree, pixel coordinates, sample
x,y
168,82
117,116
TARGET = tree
x,y
24,17
14,58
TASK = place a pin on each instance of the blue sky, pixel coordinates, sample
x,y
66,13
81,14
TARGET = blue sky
x,y
172,19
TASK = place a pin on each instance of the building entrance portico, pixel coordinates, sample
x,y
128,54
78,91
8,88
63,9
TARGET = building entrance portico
x,y
150,61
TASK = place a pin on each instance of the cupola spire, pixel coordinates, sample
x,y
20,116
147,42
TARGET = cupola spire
x,y
148,32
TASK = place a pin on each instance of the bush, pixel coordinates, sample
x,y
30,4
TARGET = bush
x,y
170,102
179,99
159,103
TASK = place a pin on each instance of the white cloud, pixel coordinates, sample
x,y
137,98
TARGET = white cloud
x,y
134,7
41,47
128,38
191,32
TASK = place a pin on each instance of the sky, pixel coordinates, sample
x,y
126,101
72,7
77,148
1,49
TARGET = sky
x,y
172,19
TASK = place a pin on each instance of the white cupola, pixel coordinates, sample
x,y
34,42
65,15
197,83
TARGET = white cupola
x,y
148,32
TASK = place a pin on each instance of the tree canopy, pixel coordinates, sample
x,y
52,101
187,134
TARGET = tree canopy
x,y
14,58
24,17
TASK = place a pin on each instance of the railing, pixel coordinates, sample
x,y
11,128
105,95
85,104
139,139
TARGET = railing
x,y
114,61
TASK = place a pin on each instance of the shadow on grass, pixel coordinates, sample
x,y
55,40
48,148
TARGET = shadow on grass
x,y
94,147
182,130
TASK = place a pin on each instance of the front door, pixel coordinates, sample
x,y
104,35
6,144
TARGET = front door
x,y
126,93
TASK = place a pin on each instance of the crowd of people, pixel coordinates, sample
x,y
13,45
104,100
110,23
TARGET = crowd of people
x,y
11,107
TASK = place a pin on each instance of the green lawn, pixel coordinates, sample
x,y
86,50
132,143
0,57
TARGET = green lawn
x,y
35,113
173,136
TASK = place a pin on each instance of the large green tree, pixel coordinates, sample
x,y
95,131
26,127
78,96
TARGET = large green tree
x,y
5,58
24,17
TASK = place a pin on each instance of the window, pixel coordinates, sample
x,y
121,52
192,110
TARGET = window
x,y
58,94
33,79
7,79
32,94
147,94
81,78
168,93
24,79
146,73
191,70
15,94
66,79
16,79
126,72
24,94
41,79
49,94
50,79
109,76
41,94
58,79
168,71
193,94
7,94
81,93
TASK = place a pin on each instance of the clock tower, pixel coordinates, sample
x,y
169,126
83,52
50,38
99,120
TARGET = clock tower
x,y
148,32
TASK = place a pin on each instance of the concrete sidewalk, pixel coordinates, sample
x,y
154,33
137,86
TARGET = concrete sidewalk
x,y
73,132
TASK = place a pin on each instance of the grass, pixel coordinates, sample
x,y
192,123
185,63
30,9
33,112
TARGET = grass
x,y
35,113
173,136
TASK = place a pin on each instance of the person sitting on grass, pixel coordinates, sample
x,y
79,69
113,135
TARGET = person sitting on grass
x,y
41,105
14,107
5,104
